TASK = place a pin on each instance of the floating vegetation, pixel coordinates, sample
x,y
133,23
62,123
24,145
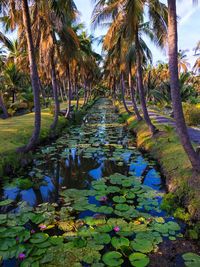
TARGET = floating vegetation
x,y
126,231
112,221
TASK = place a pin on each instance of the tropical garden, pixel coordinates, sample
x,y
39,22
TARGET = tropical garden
x,y
100,152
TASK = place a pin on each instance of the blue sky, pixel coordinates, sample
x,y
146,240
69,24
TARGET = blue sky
x,y
189,27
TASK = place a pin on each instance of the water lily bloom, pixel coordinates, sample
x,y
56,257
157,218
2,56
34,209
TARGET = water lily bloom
x,y
21,256
42,227
104,198
116,229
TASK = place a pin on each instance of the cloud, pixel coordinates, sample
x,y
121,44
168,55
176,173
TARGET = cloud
x,y
187,16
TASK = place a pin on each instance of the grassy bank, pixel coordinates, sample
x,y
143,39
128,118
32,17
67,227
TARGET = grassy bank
x,y
16,131
183,199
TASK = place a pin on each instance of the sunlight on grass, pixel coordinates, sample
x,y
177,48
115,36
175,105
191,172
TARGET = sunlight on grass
x,y
16,131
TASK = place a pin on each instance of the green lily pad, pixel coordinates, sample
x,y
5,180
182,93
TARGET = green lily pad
x,y
119,199
39,238
122,207
138,259
102,238
142,245
119,242
6,202
105,210
112,259
191,259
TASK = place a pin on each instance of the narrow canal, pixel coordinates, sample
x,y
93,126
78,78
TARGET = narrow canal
x,y
90,199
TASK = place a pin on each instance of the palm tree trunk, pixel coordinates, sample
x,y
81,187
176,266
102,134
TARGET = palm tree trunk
x,y
137,113
34,78
3,107
123,93
64,89
55,94
76,89
61,93
85,92
114,88
43,93
175,90
69,93
152,128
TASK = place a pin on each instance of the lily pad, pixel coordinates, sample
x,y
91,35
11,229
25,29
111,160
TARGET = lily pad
x,y
139,260
6,202
119,199
112,259
39,238
142,245
191,259
119,242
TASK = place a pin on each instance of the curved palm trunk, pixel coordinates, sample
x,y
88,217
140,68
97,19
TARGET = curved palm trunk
x,y
69,93
34,78
152,128
123,94
175,90
55,94
3,107
137,113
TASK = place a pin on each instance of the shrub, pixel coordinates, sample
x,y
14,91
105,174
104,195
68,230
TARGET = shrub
x,y
192,114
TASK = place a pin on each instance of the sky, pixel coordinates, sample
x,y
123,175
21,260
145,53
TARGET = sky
x,y
188,27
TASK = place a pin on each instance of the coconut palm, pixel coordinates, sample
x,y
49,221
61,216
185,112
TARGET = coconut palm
x,y
134,15
175,88
183,64
196,67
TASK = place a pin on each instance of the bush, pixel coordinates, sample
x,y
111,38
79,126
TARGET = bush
x,y
192,114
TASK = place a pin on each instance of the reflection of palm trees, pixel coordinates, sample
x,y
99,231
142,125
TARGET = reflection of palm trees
x,y
76,173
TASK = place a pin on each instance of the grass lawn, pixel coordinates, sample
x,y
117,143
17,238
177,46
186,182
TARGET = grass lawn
x,y
64,104
16,131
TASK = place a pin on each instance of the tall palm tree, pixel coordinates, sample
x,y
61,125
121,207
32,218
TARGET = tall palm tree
x,y
175,90
34,77
134,15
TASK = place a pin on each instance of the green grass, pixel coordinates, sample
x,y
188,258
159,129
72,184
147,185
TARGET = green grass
x,y
16,131
166,148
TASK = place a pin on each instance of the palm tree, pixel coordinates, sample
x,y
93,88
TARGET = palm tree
x,y
134,15
196,67
34,78
175,89
183,64
2,104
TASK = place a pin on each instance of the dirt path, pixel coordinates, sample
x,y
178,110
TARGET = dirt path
x,y
194,133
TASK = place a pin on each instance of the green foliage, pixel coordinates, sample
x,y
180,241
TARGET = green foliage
x,y
192,114
191,259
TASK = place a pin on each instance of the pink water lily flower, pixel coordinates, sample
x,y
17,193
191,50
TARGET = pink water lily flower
x,y
116,229
103,199
21,256
42,227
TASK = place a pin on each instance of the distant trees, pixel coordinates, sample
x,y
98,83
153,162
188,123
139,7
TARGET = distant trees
x,y
53,64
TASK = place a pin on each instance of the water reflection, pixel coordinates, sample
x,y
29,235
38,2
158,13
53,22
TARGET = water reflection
x,y
73,167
